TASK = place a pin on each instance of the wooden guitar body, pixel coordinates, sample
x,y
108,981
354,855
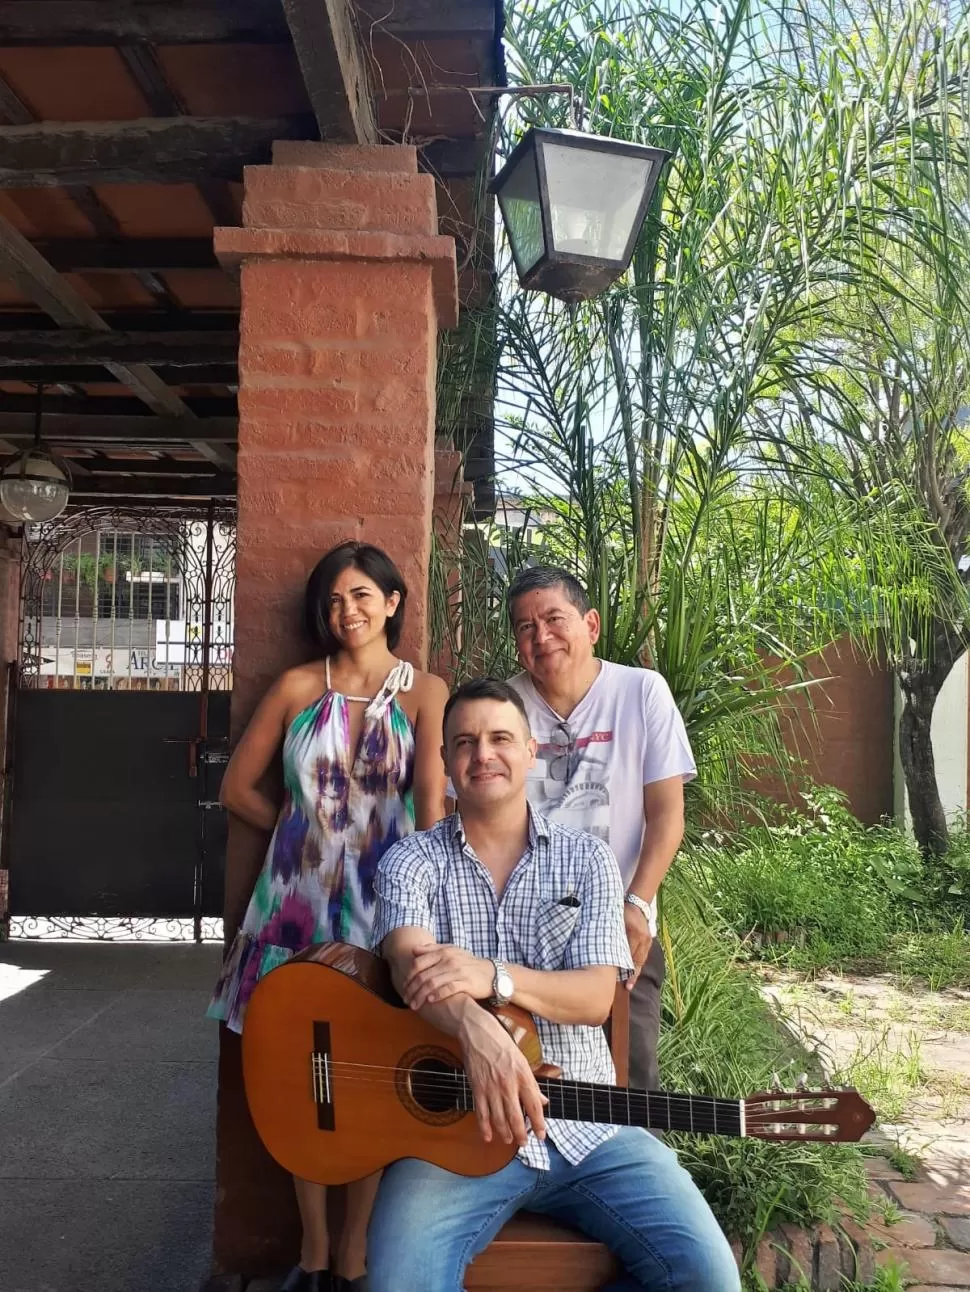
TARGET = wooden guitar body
x,y
380,1057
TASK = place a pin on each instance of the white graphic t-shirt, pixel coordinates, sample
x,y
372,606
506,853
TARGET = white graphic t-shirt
x,y
591,767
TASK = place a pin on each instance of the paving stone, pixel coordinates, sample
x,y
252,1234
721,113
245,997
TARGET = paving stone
x,y
110,1235
828,1260
800,1254
880,1168
935,1200
766,1260
911,1231
223,1283
938,1266
858,1258
957,1232
947,1170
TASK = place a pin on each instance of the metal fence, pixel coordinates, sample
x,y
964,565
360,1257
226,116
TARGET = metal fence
x,y
128,601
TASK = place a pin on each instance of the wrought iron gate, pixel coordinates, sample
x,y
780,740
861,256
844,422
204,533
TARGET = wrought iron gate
x,y
120,726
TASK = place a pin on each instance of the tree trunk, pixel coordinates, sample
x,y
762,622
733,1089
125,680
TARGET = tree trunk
x,y
920,691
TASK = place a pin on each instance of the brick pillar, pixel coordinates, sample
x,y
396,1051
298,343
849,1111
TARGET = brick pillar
x,y
345,283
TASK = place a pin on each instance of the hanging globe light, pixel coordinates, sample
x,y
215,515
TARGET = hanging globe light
x,y
35,485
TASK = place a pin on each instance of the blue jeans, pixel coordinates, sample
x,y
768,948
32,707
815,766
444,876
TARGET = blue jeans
x,y
630,1193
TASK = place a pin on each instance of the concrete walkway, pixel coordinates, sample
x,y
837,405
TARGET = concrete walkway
x,y
107,1116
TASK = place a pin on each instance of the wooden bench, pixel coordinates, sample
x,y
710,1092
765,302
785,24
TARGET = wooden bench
x,y
535,1253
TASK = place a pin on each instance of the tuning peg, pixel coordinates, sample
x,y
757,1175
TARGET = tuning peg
x,y
802,1082
775,1082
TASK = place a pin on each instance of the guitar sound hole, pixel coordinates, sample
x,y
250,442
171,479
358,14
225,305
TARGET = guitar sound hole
x,y
435,1086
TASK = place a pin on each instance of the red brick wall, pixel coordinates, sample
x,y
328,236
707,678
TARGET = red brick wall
x,y
847,742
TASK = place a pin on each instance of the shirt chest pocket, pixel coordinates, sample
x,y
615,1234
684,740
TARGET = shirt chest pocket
x,y
554,927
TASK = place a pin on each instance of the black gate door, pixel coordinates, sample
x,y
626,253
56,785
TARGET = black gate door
x,y
107,817
121,729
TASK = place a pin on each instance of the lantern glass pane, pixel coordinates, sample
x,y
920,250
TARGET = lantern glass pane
x,y
519,199
594,199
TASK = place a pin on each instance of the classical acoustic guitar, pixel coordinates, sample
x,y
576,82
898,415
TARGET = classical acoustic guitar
x,y
342,1079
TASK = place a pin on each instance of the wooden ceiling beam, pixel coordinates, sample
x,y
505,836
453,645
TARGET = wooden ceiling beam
x,y
84,346
121,430
106,226
15,112
36,278
123,22
135,320
149,150
56,374
39,280
12,108
428,19
453,158
196,407
214,486
123,255
149,75
335,69
111,468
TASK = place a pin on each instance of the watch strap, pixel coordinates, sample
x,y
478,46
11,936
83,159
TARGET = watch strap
x,y
641,905
500,967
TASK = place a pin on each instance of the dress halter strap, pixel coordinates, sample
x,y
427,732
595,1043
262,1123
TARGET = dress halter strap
x,y
400,678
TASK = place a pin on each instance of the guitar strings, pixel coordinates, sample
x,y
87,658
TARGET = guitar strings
x,y
640,1114
697,1112
457,1075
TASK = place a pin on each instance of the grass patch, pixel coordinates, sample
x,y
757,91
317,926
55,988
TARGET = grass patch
x,y
885,1073
820,891
941,958
719,1036
906,1163
890,1279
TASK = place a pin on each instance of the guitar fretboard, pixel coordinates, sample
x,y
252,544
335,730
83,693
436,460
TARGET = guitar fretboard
x,y
583,1101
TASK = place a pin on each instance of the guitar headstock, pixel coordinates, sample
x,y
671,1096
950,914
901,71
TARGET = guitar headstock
x,y
837,1116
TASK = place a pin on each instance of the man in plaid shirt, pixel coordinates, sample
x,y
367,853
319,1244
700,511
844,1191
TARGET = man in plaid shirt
x,y
497,904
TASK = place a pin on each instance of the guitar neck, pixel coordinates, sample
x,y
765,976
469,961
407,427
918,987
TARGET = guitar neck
x,y
653,1110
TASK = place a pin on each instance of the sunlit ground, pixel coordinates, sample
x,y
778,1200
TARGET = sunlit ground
x,y
13,979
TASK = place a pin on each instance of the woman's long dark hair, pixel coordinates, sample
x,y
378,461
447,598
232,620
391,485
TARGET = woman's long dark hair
x,y
378,567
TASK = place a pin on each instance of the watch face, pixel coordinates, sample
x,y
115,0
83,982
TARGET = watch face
x,y
504,984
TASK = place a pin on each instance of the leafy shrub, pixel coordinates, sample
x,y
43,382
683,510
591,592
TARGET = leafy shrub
x,y
720,1036
842,894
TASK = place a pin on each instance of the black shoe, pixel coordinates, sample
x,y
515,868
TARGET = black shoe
x,y
301,1280
340,1284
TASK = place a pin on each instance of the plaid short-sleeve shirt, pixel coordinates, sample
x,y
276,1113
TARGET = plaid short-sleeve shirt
x,y
562,908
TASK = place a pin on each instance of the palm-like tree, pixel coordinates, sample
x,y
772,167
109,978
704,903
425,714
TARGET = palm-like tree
x,y
689,427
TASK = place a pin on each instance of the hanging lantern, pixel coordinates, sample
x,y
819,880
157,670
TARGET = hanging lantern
x,y
35,485
573,206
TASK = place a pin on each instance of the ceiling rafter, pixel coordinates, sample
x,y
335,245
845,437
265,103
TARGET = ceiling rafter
x,y
37,279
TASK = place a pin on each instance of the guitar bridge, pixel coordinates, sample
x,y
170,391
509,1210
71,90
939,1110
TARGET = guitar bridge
x,y
321,1074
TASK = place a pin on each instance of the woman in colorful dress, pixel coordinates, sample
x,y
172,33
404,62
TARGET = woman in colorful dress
x,y
361,737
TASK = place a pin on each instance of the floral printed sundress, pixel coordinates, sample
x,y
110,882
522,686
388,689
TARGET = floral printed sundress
x,y
342,810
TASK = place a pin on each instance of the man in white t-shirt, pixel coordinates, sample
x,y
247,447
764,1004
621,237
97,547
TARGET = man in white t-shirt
x,y
613,756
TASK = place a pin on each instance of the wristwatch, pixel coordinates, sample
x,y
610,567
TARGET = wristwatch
x,y
502,985
641,905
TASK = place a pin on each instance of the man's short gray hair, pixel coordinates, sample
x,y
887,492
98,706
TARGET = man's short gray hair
x,y
533,577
